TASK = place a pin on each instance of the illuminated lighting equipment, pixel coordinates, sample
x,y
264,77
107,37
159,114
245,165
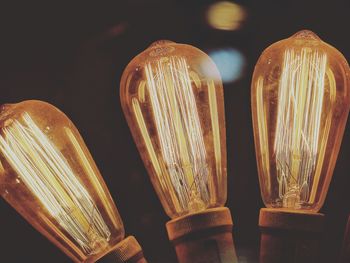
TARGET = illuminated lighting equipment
x,y
225,15
175,111
300,103
230,63
48,175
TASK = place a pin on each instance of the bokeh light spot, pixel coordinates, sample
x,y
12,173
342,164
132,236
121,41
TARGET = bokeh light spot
x,y
226,15
230,63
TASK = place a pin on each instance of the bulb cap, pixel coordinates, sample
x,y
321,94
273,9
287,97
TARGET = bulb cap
x,y
289,237
126,251
203,237
345,254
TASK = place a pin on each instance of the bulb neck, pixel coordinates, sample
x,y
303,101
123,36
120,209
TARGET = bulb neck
x,y
203,237
126,251
289,237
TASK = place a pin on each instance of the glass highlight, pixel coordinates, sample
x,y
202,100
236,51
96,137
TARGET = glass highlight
x,y
300,103
175,110
48,175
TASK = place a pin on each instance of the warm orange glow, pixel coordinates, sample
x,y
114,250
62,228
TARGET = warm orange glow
x,y
225,15
300,103
49,177
175,112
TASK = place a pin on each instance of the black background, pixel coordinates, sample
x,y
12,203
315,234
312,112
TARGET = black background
x,y
72,55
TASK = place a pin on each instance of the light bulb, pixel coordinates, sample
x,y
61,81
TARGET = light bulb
x,y
48,175
300,103
172,97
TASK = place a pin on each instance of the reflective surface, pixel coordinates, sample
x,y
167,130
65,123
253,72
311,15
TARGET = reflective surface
x,y
48,175
300,103
174,108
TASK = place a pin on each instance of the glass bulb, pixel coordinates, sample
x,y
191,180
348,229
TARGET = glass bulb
x,y
48,175
300,103
172,97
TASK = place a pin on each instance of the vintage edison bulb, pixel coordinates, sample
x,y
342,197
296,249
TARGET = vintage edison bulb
x,y
48,175
300,103
172,97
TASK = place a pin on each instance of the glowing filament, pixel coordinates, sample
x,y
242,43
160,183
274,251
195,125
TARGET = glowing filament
x,y
301,93
47,174
179,129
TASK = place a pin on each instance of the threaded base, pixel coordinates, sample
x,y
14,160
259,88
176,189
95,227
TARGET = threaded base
x,y
289,237
203,237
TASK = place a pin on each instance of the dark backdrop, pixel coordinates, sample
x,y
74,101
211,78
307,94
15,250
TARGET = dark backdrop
x,y
72,55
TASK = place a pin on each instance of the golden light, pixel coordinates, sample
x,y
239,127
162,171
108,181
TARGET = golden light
x,y
300,102
225,15
175,111
176,116
50,178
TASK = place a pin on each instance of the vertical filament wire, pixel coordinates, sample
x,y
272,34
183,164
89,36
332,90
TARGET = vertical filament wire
x,y
179,130
301,93
46,173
